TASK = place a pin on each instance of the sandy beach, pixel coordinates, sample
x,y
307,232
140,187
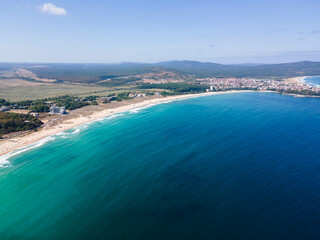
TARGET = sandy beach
x,y
296,80
85,115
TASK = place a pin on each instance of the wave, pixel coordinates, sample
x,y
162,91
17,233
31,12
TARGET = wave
x,y
65,134
110,117
4,163
138,109
309,81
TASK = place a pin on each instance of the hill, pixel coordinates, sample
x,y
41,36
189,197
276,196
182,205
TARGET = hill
x,y
93,73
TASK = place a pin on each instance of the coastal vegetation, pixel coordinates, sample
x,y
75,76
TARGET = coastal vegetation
x,y
40,108
14,122
69,102
43,105
122,96
177,88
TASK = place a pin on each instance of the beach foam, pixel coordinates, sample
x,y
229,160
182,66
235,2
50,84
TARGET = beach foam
x,y
4,158
138,109
309,81
110,117
4,163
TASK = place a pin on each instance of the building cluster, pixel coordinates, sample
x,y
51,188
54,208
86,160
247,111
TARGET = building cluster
x,y
136,95
16,106
108,99
34,114
221,84
4,109
57,110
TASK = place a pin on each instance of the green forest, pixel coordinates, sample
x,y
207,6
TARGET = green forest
x,y
14,122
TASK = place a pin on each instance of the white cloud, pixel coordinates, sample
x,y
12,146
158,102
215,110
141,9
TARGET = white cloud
x,y
49,8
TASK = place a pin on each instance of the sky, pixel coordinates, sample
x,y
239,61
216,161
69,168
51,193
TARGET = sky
x,y
110,31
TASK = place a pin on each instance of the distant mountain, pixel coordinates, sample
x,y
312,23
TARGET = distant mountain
x,y
303,68
248,70
248,64
95,72
190,65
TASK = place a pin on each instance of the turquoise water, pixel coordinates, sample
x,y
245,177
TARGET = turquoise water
x,y
313,81
233,166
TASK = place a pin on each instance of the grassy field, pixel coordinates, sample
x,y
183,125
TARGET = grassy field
x,y
14,88
43,91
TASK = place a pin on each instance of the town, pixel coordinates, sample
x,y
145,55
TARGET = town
x,y
224,84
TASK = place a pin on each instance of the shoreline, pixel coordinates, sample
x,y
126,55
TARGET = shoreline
x,y
18,144
10,145
297,80
301,80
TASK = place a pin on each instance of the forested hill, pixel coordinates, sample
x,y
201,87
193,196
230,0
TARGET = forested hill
x,y
91,73
205,68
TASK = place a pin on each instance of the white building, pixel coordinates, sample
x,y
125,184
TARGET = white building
x,y
34,114
57,110
4,109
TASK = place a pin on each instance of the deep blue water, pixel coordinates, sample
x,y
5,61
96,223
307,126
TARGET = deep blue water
x,y
233,166
313,81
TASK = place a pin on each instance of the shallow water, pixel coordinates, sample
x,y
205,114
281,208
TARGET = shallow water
x,y
313,81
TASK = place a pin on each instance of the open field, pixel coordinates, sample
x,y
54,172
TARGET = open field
x,y
31,92
21,84
23,73
17,82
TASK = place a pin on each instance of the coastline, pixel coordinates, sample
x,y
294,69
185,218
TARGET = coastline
x,y
297,80
312,84
72,120
301,80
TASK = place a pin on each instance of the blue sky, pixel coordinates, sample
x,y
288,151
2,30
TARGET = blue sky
x,y
224,31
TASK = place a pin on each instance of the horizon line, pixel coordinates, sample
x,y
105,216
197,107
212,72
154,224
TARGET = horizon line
x,y
138,62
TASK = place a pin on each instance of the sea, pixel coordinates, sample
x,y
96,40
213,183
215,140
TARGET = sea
x,y
229,166
312,81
